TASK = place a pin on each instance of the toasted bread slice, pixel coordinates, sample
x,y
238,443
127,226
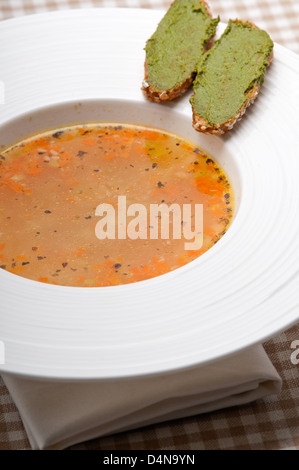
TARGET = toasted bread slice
x,y
230,76
173,51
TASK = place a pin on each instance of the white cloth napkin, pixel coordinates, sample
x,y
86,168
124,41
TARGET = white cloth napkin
x,y
57,415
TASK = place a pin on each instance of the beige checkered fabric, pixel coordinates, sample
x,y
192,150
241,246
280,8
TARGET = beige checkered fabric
x,y
269,424
279,17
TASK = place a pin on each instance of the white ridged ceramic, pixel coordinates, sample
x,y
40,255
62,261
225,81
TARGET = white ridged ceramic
x,y
70,66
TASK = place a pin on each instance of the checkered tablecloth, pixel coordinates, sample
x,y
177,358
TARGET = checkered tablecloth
x,y
269,424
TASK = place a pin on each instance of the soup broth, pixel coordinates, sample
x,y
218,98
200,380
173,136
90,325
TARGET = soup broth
x,y
52,183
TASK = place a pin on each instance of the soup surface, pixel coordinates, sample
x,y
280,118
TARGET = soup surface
x,y
52,183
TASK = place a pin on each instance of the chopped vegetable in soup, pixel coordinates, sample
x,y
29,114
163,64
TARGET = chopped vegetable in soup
x,y
51,185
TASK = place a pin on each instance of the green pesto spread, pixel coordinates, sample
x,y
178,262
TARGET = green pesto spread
x,y
229,70
178,43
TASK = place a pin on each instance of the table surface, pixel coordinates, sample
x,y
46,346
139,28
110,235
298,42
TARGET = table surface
x,y
272,423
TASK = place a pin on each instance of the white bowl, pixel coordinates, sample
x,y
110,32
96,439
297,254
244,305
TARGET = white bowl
x,y
87,65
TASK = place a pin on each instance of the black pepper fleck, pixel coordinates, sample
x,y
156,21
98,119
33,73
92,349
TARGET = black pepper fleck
x,y
57,134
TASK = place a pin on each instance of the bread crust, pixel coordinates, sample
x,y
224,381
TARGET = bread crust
x,y
152,94
200,124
